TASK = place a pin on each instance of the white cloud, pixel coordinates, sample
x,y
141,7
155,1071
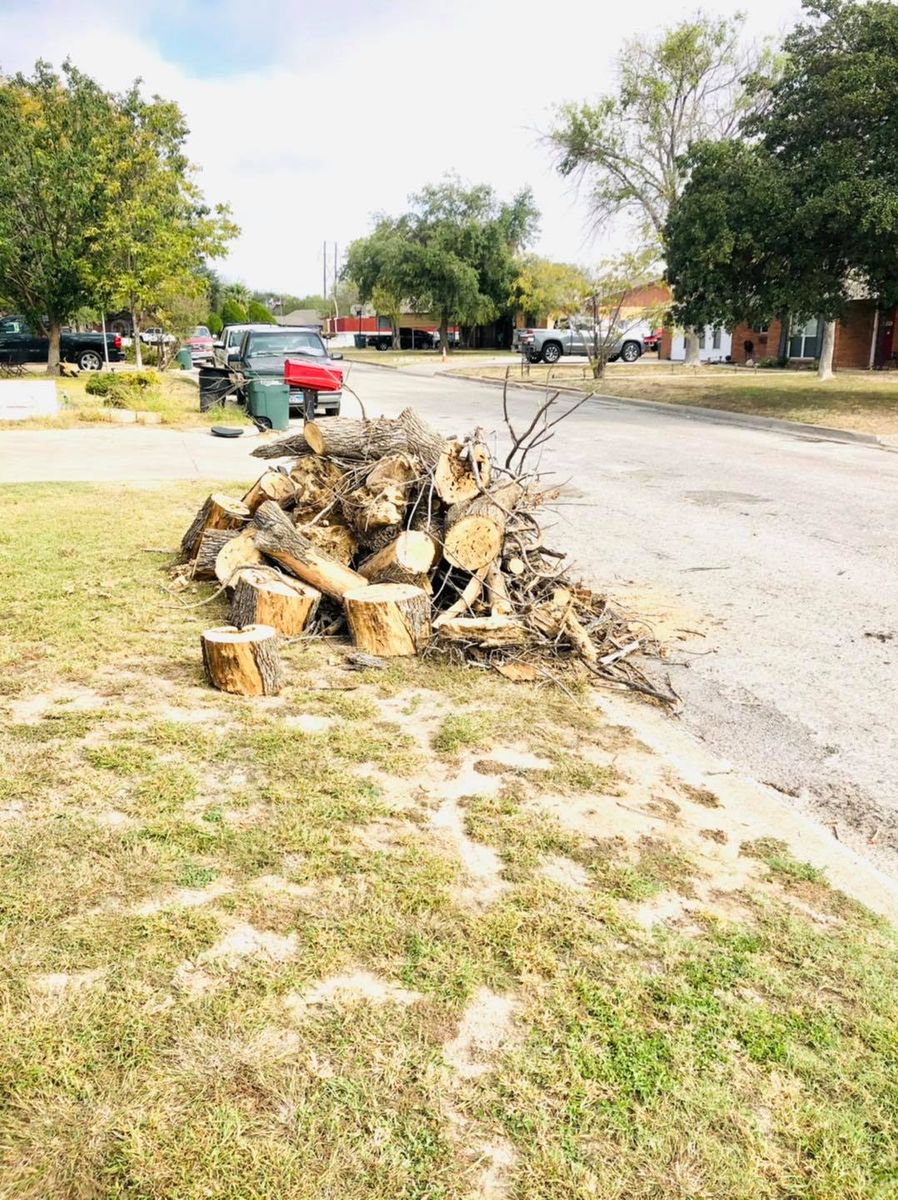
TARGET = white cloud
x,y
347,118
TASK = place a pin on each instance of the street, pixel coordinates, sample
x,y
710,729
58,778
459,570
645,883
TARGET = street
x,y
767,560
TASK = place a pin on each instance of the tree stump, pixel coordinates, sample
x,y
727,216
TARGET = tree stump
x,y
475,530
218,512
388,619
404,560
261,598
244,661
273,485
277,538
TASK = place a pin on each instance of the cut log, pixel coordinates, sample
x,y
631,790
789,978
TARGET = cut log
x,y
245,661
273,485
388,619
211,544
348,437
236,554
488,632
466,601
475,530
454,477
496,591
399,469
294,446
365,509
218,512
335,540
515,565
318,483
278,539
261,598
407,559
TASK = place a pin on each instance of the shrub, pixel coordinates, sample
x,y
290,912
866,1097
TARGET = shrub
x,y
259,314
214,323
105,384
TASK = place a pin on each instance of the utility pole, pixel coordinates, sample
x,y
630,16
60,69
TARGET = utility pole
x,y
324,272
336,310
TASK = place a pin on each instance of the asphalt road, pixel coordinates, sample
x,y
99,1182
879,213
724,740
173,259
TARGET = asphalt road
x,y
779,549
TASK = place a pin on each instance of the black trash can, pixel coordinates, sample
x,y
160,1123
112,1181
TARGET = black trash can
x,y
360,341
215,384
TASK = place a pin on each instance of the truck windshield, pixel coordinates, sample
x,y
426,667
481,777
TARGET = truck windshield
x,y
279,345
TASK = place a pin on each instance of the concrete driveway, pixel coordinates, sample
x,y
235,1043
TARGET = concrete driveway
x,y
778,550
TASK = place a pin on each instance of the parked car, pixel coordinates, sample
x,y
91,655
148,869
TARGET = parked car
x,y
263,350
549,345
83,349
228,341
199,343
651,341
418,339
156,337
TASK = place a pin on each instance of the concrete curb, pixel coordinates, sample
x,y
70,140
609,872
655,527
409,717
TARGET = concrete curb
x,y
693,412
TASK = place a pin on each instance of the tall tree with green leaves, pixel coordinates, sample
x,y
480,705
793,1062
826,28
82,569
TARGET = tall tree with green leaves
x,y
376,264
548,290
58,144
627,149
157,233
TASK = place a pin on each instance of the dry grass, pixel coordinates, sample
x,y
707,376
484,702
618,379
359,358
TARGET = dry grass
x,y
865,401
239,937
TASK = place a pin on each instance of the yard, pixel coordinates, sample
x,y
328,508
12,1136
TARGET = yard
x,y
414,933
865,401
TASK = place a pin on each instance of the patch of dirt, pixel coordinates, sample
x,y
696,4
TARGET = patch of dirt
x,y
496,1160
565,871
69,698
309,722
111,818
12,812
183,898
354,985
519,756
417,711
193,981
59,983
200,715
486,1027
277,885
384,835
243,940
482,864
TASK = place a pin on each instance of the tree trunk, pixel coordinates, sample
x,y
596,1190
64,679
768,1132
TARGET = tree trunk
x,y
690,337
827,345
273,485
407,559
261,599
278,539
394,330
366,510
135,337
444,335
53,333
244,661
388,619
475,530
218,512
352,438
318,482
210,545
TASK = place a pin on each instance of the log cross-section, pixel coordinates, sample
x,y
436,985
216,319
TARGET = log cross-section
x,y
261,598
277,537
218,512
245,661
475,530
388,619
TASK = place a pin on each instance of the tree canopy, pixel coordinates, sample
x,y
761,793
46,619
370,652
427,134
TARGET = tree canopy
x,y
545,289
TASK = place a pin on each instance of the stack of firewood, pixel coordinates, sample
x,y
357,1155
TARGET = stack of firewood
x,y
407,540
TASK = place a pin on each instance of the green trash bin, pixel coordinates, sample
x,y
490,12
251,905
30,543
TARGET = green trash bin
x,y
269,401
184,359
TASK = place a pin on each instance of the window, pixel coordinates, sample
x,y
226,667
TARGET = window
x,y
715,338
803,340
763,328
701,340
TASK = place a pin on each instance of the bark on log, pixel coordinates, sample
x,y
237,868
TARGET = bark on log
x,y
487,632
235,554
348,437
335,540
294,446
366,510
318,485
407,559
260,598
400,470
388,619
454,477
244,661
475,530
211,544
278,539
218,512
273,485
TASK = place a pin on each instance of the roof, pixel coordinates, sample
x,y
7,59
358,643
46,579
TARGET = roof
x,y
301,316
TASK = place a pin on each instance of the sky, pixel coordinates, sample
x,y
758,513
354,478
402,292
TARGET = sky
x,y
309,118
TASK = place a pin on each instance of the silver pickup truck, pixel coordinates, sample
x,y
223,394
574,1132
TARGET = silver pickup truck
x,y
548,345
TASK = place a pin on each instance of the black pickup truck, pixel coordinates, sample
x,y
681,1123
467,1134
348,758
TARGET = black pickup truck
x,y
84,349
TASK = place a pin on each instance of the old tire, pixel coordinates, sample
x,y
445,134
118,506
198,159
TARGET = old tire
x,y
551,352
630,352
90,360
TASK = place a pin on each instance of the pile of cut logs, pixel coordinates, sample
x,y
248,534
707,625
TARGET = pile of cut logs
x,y
407,540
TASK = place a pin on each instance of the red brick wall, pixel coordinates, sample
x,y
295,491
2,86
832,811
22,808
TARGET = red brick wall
x,y
854,336
666,343
767,345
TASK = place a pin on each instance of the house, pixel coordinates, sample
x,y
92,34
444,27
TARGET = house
x,y
301,316
865,339
714,344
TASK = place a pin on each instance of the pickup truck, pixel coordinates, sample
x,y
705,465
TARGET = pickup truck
x,y
548,345
262,353
84,349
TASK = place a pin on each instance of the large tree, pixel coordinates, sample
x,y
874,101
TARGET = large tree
x,y
797,218
547,290
627,148
57,147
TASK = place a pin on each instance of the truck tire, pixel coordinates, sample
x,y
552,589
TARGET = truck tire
x,y
551,352
90,360
630,352
384,345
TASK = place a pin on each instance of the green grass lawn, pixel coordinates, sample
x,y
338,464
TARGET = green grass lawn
x,y
261,949
866,401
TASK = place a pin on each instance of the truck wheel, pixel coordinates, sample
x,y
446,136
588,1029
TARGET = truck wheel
x,y
630,352
551,352
383,345
89,360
